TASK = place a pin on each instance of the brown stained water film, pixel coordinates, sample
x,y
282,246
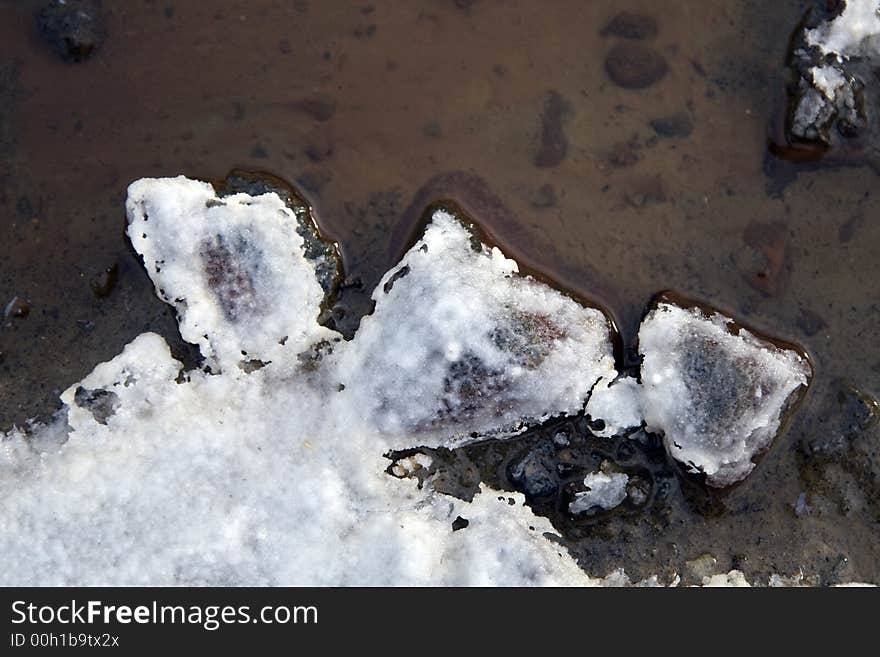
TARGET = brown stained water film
x,y
617,154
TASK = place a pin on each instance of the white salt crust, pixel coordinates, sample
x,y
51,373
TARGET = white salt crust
x,y
717,397
276,475
854,33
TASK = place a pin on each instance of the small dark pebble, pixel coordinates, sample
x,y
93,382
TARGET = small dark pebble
x,y
102,284
675,126
319,147
635,65
460,523
554,143
258,152
318,107
623,155
74,28
809,322
630,25
544,197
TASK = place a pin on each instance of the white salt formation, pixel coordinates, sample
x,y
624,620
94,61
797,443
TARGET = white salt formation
x,y
276,475
853,33
717,395
834,61
460,345
605,491
233,268
618,406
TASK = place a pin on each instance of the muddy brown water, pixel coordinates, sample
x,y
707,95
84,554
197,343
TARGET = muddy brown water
x,y
376,109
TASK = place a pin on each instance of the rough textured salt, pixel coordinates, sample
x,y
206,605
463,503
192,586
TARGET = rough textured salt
x,y
460,345
603,490
233,268
718,398
617,405
276,474
853,33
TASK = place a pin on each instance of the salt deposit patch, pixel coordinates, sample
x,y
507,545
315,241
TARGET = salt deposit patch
x,y
718,395
233,268
460,345
275,475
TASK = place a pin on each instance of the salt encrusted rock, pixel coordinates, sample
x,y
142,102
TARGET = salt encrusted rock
x,y
235,268
461,345
832,92
717,392
604,491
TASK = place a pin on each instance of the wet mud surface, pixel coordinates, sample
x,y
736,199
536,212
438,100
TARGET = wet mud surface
x,y
615,187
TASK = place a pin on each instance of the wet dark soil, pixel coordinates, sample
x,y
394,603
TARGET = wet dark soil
x,y
376,109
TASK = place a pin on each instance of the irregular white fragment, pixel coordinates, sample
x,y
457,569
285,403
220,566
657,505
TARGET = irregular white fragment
x,y
618,405
603,490
828,79
461,345
411,464
717,397
233,267
853,33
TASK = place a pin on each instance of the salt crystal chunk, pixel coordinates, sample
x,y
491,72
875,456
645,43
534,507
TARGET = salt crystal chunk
x,y
233,267
461,344
717,392
603,490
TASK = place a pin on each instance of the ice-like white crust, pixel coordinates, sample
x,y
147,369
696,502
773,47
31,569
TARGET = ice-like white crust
x,y
854,33
247,479
718,398
618,405
460,345
276,475
603,490
233,267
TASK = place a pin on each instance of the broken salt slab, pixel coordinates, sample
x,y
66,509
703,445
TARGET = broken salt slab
x,y
233,267
461,345
854,32
603,490
717,394
617,405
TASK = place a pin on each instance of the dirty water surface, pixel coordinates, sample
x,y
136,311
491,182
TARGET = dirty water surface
x,y
617,155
